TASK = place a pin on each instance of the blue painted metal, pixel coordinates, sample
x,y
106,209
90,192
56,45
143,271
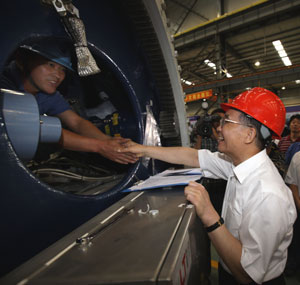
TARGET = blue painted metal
x,y
50,129
22,120
24,125
34,215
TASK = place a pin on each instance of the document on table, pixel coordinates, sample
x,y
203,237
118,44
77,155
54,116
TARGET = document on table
x,y
168,178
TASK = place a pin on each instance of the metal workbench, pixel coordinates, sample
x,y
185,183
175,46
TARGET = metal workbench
x,y
149,237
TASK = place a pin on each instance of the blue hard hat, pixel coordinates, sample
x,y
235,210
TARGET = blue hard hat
x,y
56,50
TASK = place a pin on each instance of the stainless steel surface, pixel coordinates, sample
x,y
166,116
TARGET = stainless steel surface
x,y
129,245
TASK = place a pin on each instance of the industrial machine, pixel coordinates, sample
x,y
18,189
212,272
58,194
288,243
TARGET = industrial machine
x,y
126,71
150,237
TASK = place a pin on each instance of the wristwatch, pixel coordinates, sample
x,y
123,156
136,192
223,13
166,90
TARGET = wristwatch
x,y
215,226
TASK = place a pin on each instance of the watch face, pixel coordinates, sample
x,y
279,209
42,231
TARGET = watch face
x,y
204,105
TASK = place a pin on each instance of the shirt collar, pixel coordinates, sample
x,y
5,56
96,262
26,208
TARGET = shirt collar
x,y
242,170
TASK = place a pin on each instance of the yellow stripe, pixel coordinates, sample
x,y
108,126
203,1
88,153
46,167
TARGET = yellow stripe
x,y
214,264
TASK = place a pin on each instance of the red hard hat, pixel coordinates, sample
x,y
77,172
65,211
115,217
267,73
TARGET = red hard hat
x,y
262,105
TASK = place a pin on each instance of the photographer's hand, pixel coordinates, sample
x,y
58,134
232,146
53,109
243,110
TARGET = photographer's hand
x,y
214,133
198,142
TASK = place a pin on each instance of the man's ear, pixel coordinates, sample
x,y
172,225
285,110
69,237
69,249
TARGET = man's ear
x,y
250,135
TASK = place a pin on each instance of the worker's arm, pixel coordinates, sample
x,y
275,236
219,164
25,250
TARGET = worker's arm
x,y
81,126
175,155
108,148
87,137
228,247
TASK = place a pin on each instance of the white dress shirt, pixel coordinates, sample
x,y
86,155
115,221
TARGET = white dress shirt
x,y
258,210
293,173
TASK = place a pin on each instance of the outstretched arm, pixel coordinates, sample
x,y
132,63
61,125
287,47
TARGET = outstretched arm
x,y
87,137
175,155
81,126
108,148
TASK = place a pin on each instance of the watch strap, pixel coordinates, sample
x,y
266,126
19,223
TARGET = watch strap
x,y
215,225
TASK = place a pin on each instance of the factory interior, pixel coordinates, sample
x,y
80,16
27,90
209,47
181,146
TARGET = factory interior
x,y
74,217
229,47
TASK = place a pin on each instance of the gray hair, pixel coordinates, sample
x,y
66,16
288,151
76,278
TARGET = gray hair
x,y
263,134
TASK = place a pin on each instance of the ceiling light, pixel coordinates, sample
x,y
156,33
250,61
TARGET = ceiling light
x,y
187,82
282,53
257,63
283,87
278,45
209,63
204,104
286,61
213,66
297,81
227,74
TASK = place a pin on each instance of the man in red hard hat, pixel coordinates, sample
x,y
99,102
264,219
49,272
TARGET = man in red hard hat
x,y
256,226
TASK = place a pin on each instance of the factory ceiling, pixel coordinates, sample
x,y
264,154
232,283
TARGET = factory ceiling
x,y
237,50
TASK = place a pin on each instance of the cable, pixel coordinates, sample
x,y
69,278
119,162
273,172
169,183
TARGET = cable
x,y
69,174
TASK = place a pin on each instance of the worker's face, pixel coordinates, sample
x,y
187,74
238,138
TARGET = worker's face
x,y
47,75
295,125
231,135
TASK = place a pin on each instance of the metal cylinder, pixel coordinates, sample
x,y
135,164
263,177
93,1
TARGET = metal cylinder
x,y
50,129
22,122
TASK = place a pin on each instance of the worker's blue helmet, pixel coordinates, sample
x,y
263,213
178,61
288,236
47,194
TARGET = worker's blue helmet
x,y
54,49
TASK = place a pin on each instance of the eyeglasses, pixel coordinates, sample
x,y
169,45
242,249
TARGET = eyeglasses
x,y
224,120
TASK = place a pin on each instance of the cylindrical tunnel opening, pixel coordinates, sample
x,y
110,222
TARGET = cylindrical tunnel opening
x,y
108,101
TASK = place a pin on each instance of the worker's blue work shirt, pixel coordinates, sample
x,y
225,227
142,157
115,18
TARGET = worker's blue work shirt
x,y
49,104
52,104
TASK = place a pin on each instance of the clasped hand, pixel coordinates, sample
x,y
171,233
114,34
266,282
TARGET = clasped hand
x,y
112,150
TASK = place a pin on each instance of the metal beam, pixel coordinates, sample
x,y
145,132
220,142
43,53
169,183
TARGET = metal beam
x,y
236,55
221,7
231,21
185,16
267,78
187,8
197,76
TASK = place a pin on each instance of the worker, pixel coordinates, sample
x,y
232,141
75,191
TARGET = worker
x,y
293,180
256,226
39,68
294,136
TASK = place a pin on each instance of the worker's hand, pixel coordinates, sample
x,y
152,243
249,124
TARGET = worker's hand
x,y
198,196
134,148
111,149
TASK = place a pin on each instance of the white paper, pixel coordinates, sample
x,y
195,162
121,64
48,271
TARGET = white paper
x,y
168,178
